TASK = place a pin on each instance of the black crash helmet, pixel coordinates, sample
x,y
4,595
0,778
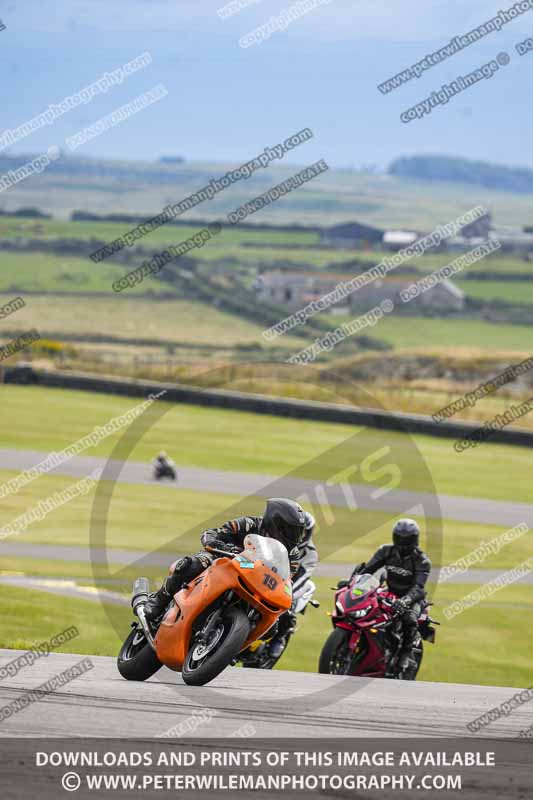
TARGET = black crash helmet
x,y
284,520
406,535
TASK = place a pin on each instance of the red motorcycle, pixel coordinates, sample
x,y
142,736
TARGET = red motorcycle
x,y
367,635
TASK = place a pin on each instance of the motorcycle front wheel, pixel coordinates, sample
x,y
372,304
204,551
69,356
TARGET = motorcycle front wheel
x,y
136,660
335,657
206,660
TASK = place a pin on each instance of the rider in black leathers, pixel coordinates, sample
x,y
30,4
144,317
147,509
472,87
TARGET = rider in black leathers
x,y
283,520
408,569
163,466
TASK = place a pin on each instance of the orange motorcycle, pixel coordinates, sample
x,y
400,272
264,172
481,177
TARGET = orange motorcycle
x,y
212,619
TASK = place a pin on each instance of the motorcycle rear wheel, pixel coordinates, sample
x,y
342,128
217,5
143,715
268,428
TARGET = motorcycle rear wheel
x,y
201,666
335,657
136,660
263,661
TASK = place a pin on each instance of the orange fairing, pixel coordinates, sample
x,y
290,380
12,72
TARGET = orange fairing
x,y
255,583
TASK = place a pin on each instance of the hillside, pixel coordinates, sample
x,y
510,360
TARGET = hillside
x,y
494,177
383,200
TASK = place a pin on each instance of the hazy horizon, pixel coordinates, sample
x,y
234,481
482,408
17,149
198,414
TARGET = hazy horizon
x,y
226,103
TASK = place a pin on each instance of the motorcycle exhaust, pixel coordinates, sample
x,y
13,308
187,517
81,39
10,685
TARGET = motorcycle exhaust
x,y
139,598
140,592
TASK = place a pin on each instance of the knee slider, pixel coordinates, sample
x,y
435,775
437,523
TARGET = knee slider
x,y
411,618
180,568
199,562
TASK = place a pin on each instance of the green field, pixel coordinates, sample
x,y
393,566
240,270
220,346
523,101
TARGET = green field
x,y
42,272
191,324
342,535
509,291
34,271
232,440
18,228
183,322
424,332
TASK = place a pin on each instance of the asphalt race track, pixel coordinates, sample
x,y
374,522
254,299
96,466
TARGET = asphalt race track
x,y
277,704
463,509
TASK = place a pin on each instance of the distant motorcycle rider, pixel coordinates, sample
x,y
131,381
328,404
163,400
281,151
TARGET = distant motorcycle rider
x,y
164,466
407,569
283,520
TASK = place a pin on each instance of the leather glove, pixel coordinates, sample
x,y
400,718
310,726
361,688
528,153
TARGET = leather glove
x,y
232,549
294,561
401,604
210,537
220,544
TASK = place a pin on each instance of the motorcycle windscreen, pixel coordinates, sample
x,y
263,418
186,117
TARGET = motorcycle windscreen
x,y
362,585
273,554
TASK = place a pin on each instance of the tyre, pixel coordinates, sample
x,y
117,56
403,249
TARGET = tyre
x,y
205,662
335,657
136,660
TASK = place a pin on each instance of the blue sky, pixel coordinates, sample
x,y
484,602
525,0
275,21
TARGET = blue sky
x,y
226,103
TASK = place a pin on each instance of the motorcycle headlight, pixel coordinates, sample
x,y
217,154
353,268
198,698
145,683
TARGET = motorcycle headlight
x,y
361,612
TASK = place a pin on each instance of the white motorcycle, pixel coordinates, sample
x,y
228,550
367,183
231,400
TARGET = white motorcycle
x,y
259,655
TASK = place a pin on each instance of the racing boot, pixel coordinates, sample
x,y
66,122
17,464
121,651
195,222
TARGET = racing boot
x,y
406,657
286,627
157,602
404,660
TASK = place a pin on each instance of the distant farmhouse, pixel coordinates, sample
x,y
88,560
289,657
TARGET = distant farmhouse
x,y
297,289
294,290
351,236
396,240
444,296
355,236
512,240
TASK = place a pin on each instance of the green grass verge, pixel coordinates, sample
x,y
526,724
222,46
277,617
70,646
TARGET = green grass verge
x,y
51,419
32,617
155,518
488,644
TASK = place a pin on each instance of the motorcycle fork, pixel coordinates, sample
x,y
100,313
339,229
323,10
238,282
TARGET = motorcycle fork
x,y
202,636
